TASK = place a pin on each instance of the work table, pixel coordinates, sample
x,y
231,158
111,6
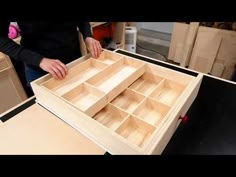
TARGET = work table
x,y
37,131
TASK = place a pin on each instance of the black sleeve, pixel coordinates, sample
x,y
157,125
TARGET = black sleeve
x,y
14,50
85,29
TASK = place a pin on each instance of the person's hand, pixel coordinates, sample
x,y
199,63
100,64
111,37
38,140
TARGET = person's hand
x,y
55,67
93,46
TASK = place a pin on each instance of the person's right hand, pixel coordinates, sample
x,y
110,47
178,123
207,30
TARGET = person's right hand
x,y
55,67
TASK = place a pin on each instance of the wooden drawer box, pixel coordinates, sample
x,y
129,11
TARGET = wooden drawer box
x,y
125,105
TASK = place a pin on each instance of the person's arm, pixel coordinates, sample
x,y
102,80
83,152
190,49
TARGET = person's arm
x,y
93,45
85,29
14,50
18,52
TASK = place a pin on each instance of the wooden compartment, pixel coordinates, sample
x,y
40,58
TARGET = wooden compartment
x,y
172,75
151,111
182,42
146,83
167,92
128,100
86,98
110,116
76,75
136,131
117,77
109,57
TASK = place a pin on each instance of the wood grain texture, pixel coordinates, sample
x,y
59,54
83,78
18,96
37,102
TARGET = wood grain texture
x,y
178,38
227,53
37,131
111,117
135,131
109,57
146,83
203,58
117,77
217,69
75,76
128,100
86,98
189,43
167,92
161,139
151,111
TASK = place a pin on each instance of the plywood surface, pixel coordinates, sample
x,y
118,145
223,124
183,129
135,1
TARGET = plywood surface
x,y
214,52
110,116
128,100
76,76
205,50
136,131
37,131
177,42
182,42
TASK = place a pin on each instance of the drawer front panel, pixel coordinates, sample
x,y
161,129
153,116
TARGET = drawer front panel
x,y
125,105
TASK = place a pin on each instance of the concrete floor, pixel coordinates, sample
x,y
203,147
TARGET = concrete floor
x,y
152,50
153,44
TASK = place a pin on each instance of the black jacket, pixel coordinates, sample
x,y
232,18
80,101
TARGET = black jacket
x,y
44,39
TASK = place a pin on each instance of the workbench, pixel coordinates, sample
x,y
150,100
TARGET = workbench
x,y
34,130
210,128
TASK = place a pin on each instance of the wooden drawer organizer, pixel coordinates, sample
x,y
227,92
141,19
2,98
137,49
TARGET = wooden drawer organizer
x,y
125,105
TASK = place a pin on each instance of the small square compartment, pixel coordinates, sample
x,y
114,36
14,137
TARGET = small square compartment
x,y
86,98
146,83
128,100
76,75
109,57
110,116
151,111
167,92
136,131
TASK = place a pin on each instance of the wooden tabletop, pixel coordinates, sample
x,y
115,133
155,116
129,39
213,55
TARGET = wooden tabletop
x,y
37,131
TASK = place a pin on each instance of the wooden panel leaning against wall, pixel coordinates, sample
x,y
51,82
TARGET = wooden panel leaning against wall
x,y
218,48
182,42
206,49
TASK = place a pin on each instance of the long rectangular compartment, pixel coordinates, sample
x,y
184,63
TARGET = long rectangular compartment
x,y
117,77
77,75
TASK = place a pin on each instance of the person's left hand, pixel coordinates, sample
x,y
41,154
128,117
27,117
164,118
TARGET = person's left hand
x,y
93,46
